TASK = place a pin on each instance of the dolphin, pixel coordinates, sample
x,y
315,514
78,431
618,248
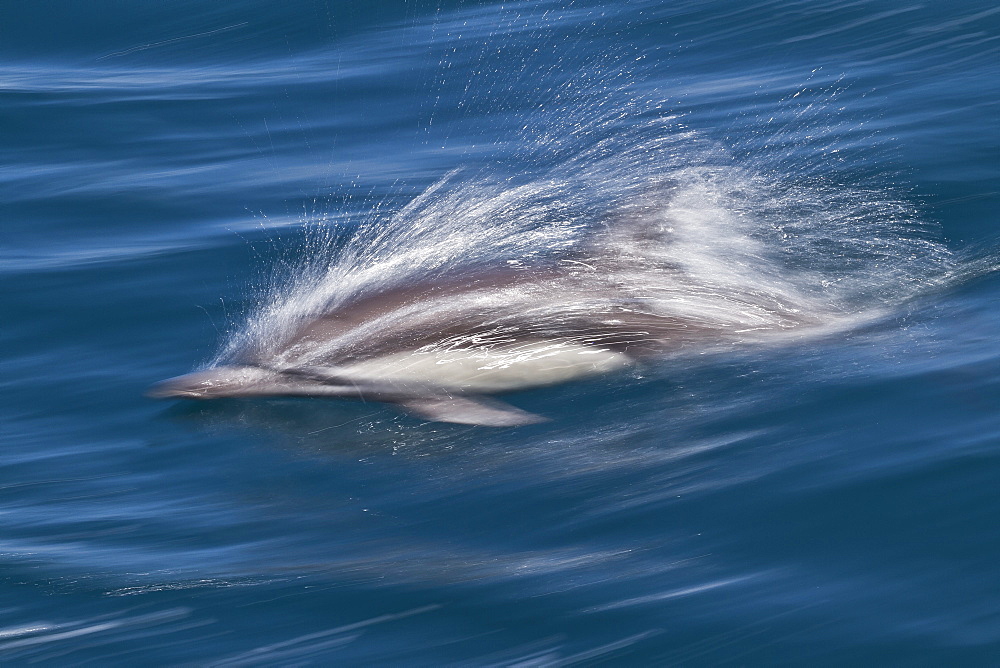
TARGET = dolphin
x,y
439,348
442,344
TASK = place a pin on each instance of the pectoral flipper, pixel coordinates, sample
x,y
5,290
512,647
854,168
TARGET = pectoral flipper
x,y
477,410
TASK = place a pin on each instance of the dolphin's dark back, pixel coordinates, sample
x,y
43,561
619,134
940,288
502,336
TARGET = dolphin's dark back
x,y
487,308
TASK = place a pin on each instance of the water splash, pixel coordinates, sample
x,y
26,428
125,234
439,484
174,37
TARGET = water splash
x,y
610,204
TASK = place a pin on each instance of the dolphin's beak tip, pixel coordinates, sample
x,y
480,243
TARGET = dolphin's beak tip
x,y
170,389
160,391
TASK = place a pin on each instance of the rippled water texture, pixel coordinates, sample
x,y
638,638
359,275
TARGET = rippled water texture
x,y
813,184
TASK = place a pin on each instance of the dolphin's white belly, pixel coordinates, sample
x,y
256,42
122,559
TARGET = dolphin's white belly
x,y
488,370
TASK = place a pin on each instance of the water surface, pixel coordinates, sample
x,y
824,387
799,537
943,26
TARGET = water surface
x,y
826,498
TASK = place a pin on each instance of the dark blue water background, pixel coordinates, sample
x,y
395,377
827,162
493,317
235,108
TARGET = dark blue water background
x,y
829,501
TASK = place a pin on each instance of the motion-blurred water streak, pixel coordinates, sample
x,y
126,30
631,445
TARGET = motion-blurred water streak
x,y
184,184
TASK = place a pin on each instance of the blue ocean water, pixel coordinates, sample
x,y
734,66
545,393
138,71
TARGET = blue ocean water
x,y
820,498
